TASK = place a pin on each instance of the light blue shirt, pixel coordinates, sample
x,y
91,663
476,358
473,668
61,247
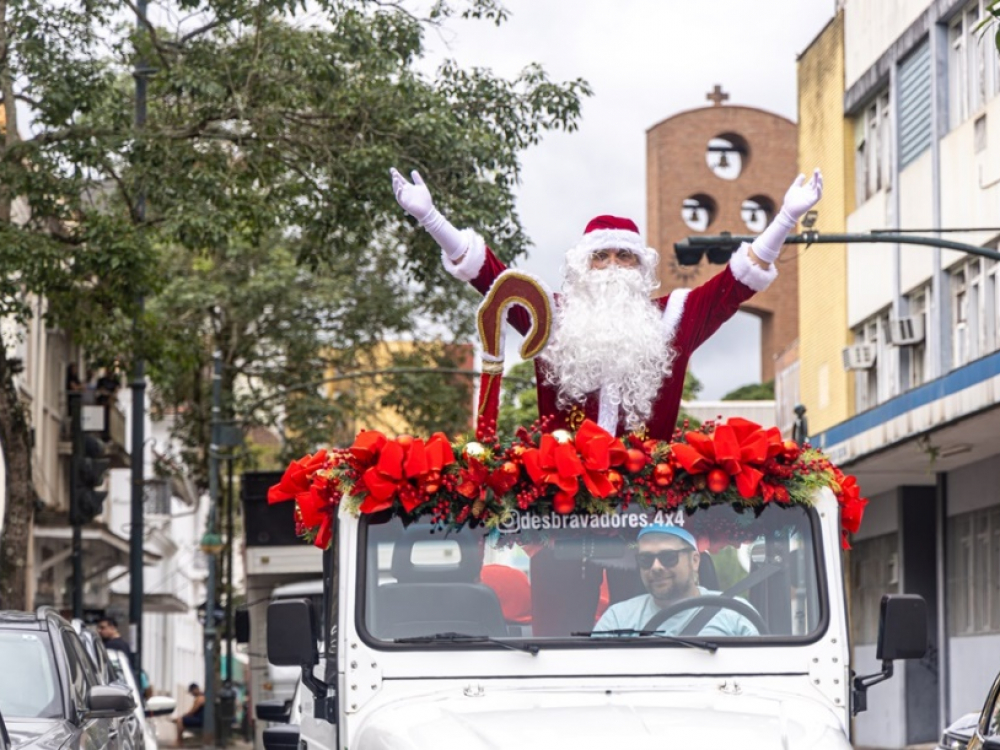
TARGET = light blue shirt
x,y
633,614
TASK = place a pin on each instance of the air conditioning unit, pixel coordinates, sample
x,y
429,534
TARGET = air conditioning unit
x,y
859,356
906,331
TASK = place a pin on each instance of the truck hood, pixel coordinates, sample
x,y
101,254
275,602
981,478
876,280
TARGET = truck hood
x,y
587,720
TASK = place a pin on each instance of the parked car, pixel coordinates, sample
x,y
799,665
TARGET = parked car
x,y
986,732
157,705
129,728
956,735
50,693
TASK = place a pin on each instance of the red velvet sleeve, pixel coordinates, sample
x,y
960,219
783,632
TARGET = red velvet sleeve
x,y
710,305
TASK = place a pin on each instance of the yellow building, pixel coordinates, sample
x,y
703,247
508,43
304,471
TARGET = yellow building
x,y
825,141
395,364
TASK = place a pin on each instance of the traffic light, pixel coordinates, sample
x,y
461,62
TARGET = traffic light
x,y
89,468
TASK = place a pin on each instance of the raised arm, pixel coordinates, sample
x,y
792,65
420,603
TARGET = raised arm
x,y
415,199
750,270
801,196
464,254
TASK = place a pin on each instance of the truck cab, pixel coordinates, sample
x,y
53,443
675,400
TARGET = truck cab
x,y
501,637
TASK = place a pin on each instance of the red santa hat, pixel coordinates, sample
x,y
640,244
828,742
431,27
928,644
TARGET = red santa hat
x,y
610,233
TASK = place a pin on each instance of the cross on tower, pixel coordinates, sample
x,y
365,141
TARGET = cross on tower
x,y
717,96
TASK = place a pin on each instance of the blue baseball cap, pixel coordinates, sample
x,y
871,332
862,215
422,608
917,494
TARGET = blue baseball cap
x,y
659,528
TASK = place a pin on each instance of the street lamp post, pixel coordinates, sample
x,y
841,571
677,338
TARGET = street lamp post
x,y
136,535
211,545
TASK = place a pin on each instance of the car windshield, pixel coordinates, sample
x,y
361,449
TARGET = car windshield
x,y
29,685
714,575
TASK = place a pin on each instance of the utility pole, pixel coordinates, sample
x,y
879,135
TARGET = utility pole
x,y
210,545
76,433
136,533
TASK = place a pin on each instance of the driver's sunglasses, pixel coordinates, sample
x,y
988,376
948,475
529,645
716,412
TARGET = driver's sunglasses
x,y
668,557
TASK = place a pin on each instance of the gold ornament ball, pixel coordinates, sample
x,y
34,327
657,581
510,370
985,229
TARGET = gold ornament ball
x,y
562,436
475,450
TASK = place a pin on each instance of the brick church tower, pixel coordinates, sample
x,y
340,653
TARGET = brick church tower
x,y
724,169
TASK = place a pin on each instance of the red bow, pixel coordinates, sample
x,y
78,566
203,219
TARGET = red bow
x,y
297,478
599,450
367,446
397,465
737,447
590,455
852,507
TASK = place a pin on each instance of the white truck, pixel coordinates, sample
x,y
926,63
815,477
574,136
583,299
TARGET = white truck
x,y
485,638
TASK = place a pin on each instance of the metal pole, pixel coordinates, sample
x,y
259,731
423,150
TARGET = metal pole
x,y
229,572
815,238
138,406
76,433
208,732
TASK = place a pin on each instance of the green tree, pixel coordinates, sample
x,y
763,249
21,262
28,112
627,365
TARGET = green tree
x,y
692,386
752,392
253,210
69,244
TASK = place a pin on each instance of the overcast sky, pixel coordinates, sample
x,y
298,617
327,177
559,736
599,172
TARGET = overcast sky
x,y
646,60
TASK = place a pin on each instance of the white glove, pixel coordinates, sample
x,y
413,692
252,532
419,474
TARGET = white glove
x,y
801,196
416,200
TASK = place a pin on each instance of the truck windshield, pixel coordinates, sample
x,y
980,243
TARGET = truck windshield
x,y
717,574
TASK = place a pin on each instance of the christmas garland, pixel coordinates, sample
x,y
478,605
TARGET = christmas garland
x,y
472,483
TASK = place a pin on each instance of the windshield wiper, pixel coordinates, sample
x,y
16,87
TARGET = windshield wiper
x,y
710,646
452,637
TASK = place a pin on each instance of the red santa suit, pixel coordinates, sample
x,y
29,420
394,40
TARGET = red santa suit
x,y
690,317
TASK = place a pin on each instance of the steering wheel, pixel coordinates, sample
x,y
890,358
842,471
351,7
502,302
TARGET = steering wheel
x,y
697,602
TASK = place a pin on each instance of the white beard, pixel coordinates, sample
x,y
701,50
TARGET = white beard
x,y
609,334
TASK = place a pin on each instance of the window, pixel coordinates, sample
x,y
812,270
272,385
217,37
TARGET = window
x,y
917,353
872,137
973,302
874,572
875,384
974,572
915,130
81,673
538,577
973,65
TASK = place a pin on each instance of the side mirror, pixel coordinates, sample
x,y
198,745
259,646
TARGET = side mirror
x,y
902,628
109,702
160,705
276,711
241,624
282,737
292,633
902,634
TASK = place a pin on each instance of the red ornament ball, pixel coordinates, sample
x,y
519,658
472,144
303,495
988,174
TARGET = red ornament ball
x,y
663,474
564,502
636,461
718,480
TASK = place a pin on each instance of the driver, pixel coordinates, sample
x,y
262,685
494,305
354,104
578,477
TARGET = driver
x,y
668,564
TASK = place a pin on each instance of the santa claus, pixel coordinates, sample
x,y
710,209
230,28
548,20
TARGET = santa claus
x,y
617,355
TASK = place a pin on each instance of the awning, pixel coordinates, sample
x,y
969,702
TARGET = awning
x,y
98,543
937,427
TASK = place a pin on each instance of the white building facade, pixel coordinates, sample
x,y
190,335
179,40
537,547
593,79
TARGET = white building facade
x,y
923,94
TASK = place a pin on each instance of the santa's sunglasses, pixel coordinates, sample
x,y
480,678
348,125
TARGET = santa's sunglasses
x,y
668,557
